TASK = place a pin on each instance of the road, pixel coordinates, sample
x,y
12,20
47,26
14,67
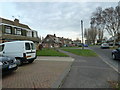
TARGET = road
x,y
105,54
89,72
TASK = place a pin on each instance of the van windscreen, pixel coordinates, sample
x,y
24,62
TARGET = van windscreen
x,y
27,46
1,47
32,46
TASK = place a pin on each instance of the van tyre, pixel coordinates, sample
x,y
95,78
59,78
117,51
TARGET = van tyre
x,y
30,61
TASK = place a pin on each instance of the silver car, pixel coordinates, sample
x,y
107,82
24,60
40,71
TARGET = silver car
x,y
104,45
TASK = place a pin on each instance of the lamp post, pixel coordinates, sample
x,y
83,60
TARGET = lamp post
x,y
82,33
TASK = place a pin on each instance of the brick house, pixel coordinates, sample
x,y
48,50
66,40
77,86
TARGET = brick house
x,y
13,30
53,41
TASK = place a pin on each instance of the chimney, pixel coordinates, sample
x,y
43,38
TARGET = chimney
x,y
54,35
16,21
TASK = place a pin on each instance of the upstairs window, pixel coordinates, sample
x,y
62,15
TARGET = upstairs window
x,y
29,34
35,34
8,29
18,31
15,30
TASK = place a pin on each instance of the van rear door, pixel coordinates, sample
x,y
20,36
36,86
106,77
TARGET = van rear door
x,y
33,50
30,51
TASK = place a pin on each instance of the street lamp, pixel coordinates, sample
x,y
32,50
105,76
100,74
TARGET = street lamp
x,y
82,33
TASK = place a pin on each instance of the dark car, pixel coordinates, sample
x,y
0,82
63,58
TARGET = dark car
x,y
116,54
7,64
85,45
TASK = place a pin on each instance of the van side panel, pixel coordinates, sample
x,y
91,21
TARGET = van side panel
x,y
14,49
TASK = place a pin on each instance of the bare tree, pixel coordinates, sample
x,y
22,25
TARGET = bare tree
x,y
98,22
111,19
90,34
107,19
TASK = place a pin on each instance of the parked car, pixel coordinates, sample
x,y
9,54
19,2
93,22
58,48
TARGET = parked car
x,y
80,44
85,45
116,54
7,64
104,45
23,51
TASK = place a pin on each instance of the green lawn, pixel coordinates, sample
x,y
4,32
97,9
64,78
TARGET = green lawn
x,y
50,52
84,52
114,47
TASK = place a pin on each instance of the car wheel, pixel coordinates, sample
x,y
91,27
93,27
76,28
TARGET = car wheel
x,y
113,57
30,61
19,62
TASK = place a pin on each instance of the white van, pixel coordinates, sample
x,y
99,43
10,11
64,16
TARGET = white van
x,y
22,50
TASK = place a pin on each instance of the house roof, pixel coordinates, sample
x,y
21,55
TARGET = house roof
x,y
57,39
6,21
54,38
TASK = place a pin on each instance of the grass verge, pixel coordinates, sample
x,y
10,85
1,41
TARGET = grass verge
x,y
114,47
82,52
114,84
50,52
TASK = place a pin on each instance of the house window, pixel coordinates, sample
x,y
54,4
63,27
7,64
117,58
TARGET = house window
x,y
32,34
18,31
29,34
47,40
15,30
8,29
35,34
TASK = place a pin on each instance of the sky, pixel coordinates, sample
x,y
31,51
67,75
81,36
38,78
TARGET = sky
x,y
60,18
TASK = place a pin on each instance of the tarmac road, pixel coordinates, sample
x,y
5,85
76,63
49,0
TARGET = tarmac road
x,y
105,54
89,72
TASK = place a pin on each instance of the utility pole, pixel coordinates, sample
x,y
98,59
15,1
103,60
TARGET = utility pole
x,y
82,33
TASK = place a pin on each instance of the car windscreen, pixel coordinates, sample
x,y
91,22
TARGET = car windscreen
x,y
105,44
1,47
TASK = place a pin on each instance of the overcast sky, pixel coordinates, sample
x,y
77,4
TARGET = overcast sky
x,y
60,18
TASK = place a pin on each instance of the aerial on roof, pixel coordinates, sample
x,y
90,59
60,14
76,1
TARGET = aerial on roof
x,y
15,22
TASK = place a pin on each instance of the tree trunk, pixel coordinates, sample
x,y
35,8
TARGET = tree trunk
x,y
114,42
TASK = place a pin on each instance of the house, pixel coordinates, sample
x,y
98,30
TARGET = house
x,y
68,42
76,42
51,41
14,30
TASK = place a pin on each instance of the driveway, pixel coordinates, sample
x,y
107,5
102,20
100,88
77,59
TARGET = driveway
x,y
44,72
105,54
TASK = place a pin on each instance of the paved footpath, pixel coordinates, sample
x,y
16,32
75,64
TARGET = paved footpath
x,y
44,72
89,72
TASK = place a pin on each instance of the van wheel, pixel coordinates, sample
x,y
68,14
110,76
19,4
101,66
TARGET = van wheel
x,y
19,62
30,61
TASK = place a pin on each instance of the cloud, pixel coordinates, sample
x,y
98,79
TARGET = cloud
x,y
48,17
